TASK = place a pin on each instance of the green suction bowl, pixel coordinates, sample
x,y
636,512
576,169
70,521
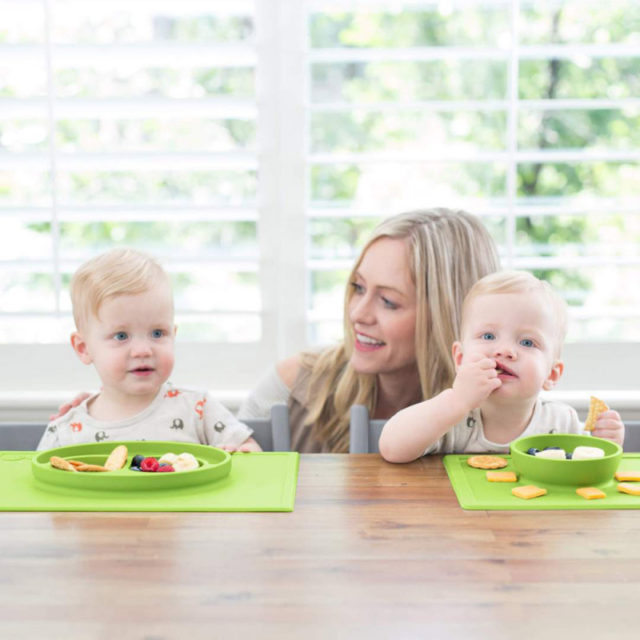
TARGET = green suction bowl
x,y
578,473
213,464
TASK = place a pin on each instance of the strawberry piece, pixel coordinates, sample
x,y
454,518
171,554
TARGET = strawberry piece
x,y
149,464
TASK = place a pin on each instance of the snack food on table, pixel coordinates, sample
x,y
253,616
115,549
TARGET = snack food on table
x,y
591,493
553,453
528,491
487,462
587,453
117,458
631,475
61,463
629,487
596,407
502,476
185,462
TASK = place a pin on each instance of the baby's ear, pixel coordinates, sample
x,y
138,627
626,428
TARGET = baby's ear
x,y
554,375
456,352
80,347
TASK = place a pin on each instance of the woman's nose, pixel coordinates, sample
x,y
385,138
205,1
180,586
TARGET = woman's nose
x,y
360,310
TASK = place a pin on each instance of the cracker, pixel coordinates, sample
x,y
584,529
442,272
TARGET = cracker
x,y
528,491
590,493
631,475
61,463
117,458
486,462
90,467
596,407
502,476
630,488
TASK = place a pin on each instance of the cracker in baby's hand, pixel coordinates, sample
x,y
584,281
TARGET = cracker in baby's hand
x,y
487,462
502,476
117,458
529,491
596,407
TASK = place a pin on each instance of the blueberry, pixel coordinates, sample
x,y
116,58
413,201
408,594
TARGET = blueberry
x,y
569,455
549,448
532,451
134,468
137,461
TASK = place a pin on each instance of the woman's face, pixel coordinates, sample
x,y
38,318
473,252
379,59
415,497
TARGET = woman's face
x,y
382,310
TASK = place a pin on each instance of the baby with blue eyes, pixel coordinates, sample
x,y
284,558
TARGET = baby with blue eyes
x,y
512,331
124,316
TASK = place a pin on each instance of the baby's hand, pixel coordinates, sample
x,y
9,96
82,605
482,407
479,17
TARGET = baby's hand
x,y
248,445
475,380
609,425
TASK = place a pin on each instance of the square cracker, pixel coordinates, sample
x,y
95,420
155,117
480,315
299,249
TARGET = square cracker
x,y
631,475
596,407
590,493
502,476
629,487
528,491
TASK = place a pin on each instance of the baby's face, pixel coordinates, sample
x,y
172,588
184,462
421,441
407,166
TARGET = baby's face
x,y
518,331
131,342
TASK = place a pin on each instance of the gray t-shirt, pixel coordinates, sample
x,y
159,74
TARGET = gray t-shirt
x,y
176,414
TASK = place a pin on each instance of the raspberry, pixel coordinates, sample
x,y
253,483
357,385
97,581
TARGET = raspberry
x,y
165,467
149,464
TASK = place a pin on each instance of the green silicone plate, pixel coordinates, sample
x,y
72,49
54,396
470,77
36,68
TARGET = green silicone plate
x,y
214,465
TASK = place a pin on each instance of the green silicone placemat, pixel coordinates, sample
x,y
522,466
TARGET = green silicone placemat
x,y
257,482
474,491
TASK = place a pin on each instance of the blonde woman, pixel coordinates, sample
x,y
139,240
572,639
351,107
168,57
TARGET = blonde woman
x,y
402,312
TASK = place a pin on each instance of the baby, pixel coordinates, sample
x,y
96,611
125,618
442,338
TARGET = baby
x,y
513,328
123,311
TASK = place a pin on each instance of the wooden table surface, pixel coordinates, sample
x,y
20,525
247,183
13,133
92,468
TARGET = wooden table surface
x,y
372,550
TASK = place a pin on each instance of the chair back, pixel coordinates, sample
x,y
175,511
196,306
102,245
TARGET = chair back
x,y
631,436
272,434
363,433
20,436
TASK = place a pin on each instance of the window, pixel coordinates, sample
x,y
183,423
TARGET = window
x,y
252,146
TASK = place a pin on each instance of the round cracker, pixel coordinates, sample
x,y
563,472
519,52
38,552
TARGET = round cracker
x,y
487,462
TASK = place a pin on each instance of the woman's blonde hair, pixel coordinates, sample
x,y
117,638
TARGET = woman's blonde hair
x,y
448,251
116,272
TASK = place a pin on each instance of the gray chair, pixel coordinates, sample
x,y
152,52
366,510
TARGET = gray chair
x,y
20,436
363,433
272,434
632,436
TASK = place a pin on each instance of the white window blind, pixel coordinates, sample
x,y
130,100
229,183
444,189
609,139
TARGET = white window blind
x,y
253,145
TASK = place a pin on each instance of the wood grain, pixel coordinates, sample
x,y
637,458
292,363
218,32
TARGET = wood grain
x,y
372,550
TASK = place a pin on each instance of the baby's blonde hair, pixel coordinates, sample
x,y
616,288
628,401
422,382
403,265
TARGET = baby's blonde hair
x,y
511,281
448,250
116,272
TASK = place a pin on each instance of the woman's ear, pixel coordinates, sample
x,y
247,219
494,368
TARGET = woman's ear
x,y
456,352
554,375
80,347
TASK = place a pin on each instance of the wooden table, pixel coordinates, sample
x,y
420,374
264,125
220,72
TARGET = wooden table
x,y
372,550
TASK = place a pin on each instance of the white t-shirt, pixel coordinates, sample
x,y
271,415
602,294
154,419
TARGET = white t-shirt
x,y
468,435
176,414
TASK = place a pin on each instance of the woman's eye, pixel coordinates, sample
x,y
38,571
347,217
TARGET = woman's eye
x,y
357,288
120,336
157,333
488,336
527,342
388,303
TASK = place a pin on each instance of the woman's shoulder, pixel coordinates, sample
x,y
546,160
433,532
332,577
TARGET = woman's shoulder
x,y
289,368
